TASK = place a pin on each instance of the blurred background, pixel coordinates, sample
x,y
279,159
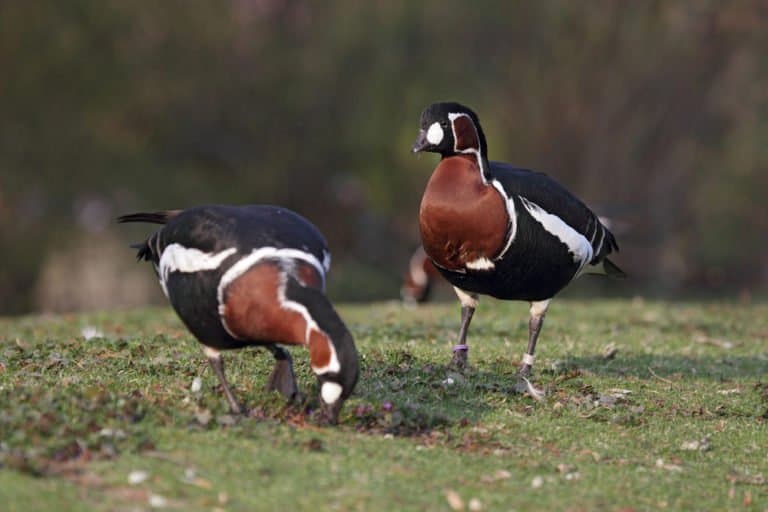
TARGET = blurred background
x,y
655,113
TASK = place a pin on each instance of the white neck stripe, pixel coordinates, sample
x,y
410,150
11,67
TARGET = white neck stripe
x,y
333,365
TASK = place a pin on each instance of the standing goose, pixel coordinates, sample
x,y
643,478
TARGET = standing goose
x,y
497,230
253,275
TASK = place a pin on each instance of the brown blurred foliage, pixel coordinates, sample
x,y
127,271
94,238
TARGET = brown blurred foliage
x,y
655,113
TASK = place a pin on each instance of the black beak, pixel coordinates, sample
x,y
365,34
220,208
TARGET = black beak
x,y
421,142
331,412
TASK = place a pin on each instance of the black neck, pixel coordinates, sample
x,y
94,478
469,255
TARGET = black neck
x,y
483,143
483,163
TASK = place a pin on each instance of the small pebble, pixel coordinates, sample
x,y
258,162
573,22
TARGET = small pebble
x,y
157,501
454,500
137,476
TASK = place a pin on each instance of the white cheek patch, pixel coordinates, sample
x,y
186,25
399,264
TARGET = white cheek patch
x,y
435,134
330,392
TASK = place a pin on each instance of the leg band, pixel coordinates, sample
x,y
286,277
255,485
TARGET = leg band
x,y
528,359
456,348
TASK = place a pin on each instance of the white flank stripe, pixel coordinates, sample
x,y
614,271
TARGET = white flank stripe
x,y
177,258
326,260
481,264
331,391
577,244
511,212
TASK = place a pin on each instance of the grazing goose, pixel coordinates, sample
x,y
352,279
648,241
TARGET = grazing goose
x,y
253,275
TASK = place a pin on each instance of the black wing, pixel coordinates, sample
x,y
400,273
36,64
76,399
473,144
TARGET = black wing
x,y
214,228
539,188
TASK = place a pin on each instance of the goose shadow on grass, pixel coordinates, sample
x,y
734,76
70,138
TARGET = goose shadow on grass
x,y
425,396
720,368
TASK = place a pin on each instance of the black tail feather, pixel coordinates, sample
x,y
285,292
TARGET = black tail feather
x,y
160,217
143,251
613,270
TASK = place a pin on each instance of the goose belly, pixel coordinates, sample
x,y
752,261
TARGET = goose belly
x,y
535,267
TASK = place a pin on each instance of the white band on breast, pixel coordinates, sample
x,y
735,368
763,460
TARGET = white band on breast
x,y
529,359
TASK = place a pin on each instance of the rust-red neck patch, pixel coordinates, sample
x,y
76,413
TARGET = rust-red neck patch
x,y
465,134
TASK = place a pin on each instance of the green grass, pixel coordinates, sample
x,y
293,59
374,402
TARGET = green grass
x,y
676,419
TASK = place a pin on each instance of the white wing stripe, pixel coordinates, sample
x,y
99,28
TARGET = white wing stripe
x,y
577,243
602,239
594,231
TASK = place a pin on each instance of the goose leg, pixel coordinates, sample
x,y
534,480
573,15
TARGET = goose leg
x,y
536,320
538,311
468,304
282,377
217,363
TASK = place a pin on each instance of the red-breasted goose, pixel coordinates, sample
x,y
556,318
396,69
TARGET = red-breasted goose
x,y
493,229
253,275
